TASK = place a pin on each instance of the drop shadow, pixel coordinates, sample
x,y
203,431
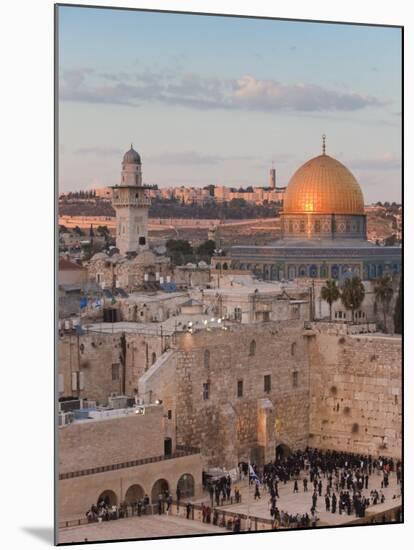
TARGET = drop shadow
x,y
43,533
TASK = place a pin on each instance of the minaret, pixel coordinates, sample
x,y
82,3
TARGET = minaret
x,y
131,205
272,177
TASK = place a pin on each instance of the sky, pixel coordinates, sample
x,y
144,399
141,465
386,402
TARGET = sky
x,y
215,100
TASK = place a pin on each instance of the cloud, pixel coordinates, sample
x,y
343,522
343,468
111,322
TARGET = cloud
x,y
193,91
386,162
194,158
74,78
99,151
271,95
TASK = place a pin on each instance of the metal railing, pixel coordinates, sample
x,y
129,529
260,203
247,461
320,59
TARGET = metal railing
x,y
180,452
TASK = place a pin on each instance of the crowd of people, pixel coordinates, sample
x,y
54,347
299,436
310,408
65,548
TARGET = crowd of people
x,y
341,480
105,511
338,482
222,492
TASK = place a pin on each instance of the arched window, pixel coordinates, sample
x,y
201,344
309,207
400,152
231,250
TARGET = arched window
x,y
313,271
108,497
160,489
185,486
135,492
207,359
252,349
293,348
153,357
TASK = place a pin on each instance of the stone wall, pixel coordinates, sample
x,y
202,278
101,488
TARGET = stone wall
x,y
228,428
93,355
76,495
142,351
355,392
95,443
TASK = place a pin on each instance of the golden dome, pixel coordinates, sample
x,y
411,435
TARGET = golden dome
x,y
323,186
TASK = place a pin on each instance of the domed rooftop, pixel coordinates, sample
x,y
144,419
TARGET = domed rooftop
x,y
131,157
323,186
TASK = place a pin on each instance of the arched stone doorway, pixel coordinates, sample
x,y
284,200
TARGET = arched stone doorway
x,y
282,451
186,486
134,493
291,272
313,271
160,487
109,498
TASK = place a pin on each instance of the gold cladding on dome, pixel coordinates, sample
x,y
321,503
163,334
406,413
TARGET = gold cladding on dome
x,y
323,186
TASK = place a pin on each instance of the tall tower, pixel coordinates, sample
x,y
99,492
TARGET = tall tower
x,y
272,177
131,205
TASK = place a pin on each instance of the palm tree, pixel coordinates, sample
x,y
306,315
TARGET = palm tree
x,y
330,293
384,291
398,310
353,294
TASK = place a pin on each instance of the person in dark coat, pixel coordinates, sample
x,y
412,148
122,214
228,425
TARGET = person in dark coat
x,y
327,503
333,507
320,488
295,486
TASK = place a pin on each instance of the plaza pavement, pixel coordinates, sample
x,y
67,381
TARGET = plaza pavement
x,y
137,527
292,503
301,502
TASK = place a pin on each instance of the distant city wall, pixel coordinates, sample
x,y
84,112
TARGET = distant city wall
x,y
156,223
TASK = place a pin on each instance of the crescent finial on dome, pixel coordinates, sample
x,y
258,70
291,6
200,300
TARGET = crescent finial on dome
x,y
323,144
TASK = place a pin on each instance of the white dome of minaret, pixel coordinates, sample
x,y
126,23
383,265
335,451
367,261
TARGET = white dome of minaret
x,y
131,168
131,157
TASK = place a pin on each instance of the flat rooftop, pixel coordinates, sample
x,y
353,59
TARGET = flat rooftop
x,y
178,323
153,297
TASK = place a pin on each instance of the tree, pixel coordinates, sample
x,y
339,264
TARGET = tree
x,y
78,231
398,311
384,291
391,240
102,230
330,293
206,248
353,294
179,250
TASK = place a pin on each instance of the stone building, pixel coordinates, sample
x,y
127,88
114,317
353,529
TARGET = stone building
x,y
258,302
121,455
324,232
237,360
128,273
71,273
131,205
240,393
235,393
